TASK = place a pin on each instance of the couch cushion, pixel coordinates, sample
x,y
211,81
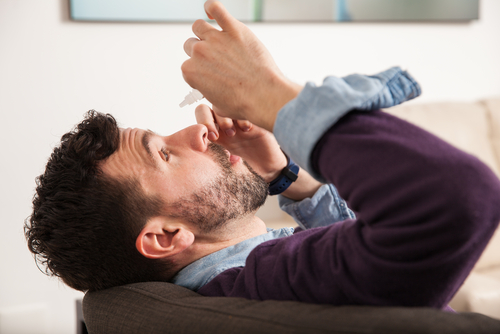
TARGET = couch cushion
x,y
493,272
490,257
158,307
493,106
464,125
480,293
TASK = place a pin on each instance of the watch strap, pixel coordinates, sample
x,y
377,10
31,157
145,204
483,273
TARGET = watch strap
x,y
287,176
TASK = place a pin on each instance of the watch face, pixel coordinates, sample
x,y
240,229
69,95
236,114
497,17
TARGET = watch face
x,y
291,171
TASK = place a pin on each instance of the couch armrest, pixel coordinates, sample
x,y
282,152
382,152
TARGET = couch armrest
x,y
158,307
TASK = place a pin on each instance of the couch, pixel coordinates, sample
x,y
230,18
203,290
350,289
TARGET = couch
x,y
159,307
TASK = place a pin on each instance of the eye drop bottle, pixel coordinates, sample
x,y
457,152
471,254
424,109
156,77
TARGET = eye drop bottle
x,y
192,97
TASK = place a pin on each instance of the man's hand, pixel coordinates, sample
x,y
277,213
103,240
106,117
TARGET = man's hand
x,y
234,71
256,146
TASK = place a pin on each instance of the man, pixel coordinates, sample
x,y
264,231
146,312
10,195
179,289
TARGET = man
x,y
121,206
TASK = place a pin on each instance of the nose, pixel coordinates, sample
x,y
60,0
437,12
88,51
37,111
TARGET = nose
x,y
195,136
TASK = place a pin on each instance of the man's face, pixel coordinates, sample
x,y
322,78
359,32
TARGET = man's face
x,y
198,181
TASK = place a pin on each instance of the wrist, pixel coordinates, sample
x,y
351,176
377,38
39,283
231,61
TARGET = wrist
x,y
273,98
284,180
272,174
305,187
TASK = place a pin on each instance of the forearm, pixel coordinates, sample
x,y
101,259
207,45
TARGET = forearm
x,y
304,187
272,97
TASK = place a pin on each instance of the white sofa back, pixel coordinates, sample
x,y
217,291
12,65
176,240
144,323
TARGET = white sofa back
x,y
493,107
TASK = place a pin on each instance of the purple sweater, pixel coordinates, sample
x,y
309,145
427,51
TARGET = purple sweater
x,y
425,212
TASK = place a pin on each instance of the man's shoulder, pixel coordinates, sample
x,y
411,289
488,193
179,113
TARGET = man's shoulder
x,y
301,236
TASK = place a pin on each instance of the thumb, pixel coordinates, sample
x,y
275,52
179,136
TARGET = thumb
x,y
216,11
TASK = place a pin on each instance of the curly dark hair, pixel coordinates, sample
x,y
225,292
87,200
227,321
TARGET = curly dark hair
x,y
84,224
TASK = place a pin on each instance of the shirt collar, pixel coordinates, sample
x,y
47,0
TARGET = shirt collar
x,y
203,270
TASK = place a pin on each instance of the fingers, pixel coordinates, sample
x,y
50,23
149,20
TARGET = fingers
x,y
215,124
244,125
205,116
202,28
226,125
216,11
188,45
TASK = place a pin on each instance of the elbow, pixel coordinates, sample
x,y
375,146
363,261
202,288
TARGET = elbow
x,y
474,202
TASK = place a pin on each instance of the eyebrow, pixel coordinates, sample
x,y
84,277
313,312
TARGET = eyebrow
x,y
146,138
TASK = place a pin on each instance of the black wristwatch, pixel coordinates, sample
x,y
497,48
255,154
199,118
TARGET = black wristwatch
x,y
288,175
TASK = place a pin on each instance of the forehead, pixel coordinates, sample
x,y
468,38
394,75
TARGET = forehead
x,y
133,157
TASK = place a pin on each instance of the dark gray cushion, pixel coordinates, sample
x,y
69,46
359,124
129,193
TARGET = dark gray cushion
x,y
158,307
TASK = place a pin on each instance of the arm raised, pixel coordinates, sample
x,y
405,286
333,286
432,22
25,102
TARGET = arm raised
x,y
234,70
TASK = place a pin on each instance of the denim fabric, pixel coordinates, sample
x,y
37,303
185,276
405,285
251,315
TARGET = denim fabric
x,y
303,121
324,208
202,271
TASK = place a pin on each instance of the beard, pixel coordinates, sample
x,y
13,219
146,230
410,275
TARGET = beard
x,y
229,196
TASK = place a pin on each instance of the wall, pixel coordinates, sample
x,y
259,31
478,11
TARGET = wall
x,y
52,70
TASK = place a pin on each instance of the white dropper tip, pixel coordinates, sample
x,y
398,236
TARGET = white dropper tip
x,y
192,97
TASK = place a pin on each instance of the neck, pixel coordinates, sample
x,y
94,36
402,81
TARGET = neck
x,y
233,232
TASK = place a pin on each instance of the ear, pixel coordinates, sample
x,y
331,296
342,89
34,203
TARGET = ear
x,y
160,239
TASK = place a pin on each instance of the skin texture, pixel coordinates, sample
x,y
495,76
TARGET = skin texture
x,y
201,182
234,70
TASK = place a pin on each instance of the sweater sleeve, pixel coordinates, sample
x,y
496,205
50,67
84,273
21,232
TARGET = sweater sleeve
x,y
425,212
304,120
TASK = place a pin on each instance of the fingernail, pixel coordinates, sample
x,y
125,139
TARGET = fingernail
x,y
245,129
230,132
212,136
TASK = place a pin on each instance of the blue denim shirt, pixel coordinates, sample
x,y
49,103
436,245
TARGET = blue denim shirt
x,y
202,271
324,208
311,114
303,121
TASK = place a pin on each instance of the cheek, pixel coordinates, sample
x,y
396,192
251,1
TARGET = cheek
x,y
197,176
173,185
183,179
194,178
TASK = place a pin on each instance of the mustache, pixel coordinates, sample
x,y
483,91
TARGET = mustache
x,y
219,154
